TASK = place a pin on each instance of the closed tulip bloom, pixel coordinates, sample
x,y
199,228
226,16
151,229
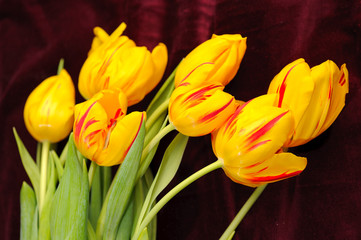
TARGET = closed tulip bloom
x,y
49,109
316,96
249,144
102,131
116,62
224,52
199,111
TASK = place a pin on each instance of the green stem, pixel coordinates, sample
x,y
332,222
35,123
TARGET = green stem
x,y
92,169
244,210
167,129
211,167
43,173
144,162
161,109
61,65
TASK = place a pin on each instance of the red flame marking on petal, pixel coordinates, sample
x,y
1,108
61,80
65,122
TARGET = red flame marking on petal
x,y
90,137
213,114
136,135
273,178
282,88
263,130
200,93
251,148
79,123
342,80
234,116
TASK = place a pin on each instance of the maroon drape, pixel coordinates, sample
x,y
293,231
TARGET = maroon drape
x,y
324,202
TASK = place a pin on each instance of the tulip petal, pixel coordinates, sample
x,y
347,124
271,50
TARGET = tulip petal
x,y
217,51
278,167
49,109
316,112
253,133
200,111
294,87
338,94
121,139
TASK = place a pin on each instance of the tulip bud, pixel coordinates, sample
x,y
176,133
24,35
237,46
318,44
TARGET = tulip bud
x,y
224,52
315,96
102,131
49,109
115,62
249,144
199,111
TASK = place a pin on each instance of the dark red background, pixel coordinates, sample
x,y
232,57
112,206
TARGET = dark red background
x,y
324,202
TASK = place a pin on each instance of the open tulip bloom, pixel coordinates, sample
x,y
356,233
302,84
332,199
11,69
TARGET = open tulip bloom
x,y
116,62
250,139
102,131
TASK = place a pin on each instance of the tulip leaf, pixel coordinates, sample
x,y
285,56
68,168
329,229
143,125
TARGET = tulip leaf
x,y
126,224
69,208
96,197
28,212
29,165
144,235
120,190
168,168
59,166
91,233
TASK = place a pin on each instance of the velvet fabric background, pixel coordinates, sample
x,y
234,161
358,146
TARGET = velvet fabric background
x,y
324,202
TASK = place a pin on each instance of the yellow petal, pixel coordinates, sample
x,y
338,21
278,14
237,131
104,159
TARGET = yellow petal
x,y
340,88
252,134
201,110
49,109
225,52
121,139
95,119
294,87
278,167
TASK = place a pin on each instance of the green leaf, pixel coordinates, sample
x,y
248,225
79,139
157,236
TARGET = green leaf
x,y
58,164
28,211
69,209
168,168
29,165
126,224
96,197
91,233
120,191
144,235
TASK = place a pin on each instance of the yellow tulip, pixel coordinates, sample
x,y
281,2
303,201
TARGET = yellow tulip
x,y
316,96
199,111
249,144
223,53
116,62
102,131
49,109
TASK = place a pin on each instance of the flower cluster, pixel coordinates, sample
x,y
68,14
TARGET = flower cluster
x,y
250,139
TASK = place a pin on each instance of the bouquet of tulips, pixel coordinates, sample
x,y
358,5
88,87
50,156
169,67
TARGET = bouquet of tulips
x,y
74,194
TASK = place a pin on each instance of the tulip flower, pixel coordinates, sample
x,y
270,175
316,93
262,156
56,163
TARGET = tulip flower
x,y
250,144
316,96
102,131
223,52
199,111
49,109
116,62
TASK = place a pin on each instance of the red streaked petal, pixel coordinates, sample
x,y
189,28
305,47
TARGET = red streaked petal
x,y
213,114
